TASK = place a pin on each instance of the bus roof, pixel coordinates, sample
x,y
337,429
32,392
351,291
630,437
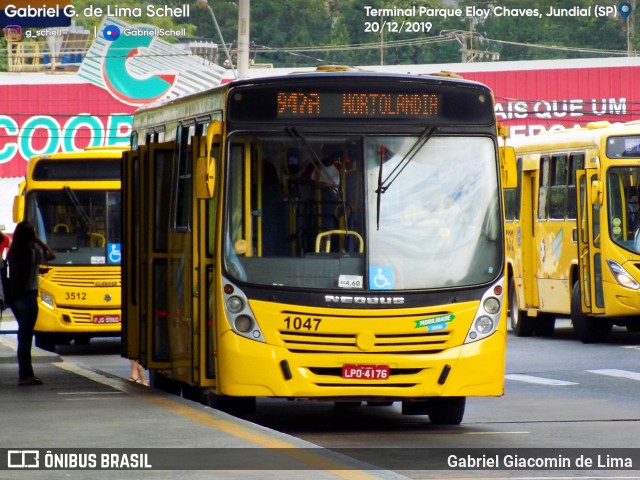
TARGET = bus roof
x,y
591,134
89,152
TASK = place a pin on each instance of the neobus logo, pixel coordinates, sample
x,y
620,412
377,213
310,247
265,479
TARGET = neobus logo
x,y
364,300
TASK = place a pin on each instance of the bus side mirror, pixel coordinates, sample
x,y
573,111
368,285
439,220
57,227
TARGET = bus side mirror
x,y
205,173
597,188
18,208
508,168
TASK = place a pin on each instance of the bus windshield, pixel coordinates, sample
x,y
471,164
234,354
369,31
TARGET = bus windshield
x,y
624,206
81,226
370,212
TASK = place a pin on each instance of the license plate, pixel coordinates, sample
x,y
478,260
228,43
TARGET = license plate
x,y
102,319
365,372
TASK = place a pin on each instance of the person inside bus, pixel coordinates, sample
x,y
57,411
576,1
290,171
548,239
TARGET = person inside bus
x,y
25,255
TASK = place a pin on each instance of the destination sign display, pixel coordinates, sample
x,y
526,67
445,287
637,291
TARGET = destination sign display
x,y
297,104
361,100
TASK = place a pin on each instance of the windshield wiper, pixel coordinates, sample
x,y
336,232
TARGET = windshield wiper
x,y
76,203
314,158
383,185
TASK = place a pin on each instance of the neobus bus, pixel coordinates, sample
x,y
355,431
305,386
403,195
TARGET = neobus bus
x,y
572,230
74,202
332,236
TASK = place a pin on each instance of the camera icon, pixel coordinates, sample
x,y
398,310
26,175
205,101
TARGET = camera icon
x,y
13,33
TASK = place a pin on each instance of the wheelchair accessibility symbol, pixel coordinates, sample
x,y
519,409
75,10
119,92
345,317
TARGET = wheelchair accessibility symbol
x,y
114,253
380,278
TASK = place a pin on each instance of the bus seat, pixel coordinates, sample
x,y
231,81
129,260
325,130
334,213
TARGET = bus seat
x,y
62,241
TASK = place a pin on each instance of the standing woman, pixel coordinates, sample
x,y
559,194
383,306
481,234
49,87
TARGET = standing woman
x,y
25,255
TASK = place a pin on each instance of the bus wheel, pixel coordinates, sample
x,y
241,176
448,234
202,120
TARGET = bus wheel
x,y
545,324
588,329
46,341
446,410
521,323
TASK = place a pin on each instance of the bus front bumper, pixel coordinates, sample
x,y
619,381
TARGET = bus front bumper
x,y
257,369
62,320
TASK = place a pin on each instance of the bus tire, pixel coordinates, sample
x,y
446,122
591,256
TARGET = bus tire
x,y
45,341
446,410
521,324
588,329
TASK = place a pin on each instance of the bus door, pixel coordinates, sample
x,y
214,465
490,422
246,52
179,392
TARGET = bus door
x,y
589,203
132,345
203,238
154,256
183,261
526,236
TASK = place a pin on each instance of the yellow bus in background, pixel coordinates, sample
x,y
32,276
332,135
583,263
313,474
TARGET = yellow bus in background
x,y
319,236
573,231
74,202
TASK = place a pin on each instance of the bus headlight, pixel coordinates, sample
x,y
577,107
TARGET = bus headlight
x,y
484,325
488,315
47,299
243,323
622,276
239,314
492,305
235,304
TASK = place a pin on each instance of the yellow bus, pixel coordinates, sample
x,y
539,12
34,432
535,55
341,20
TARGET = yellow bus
x,y
573,244
74,202
332,235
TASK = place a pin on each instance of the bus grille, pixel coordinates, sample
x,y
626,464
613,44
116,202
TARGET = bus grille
x,y
401,343
78,317
86,278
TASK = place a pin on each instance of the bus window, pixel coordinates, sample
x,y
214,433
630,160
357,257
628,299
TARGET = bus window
x,y
576,162
543,193
78,225
512,196
305,214
558,187
623,213
292,206
182,207
163,167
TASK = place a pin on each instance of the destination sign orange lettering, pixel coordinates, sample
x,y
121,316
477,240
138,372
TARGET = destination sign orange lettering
x,y
357,105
